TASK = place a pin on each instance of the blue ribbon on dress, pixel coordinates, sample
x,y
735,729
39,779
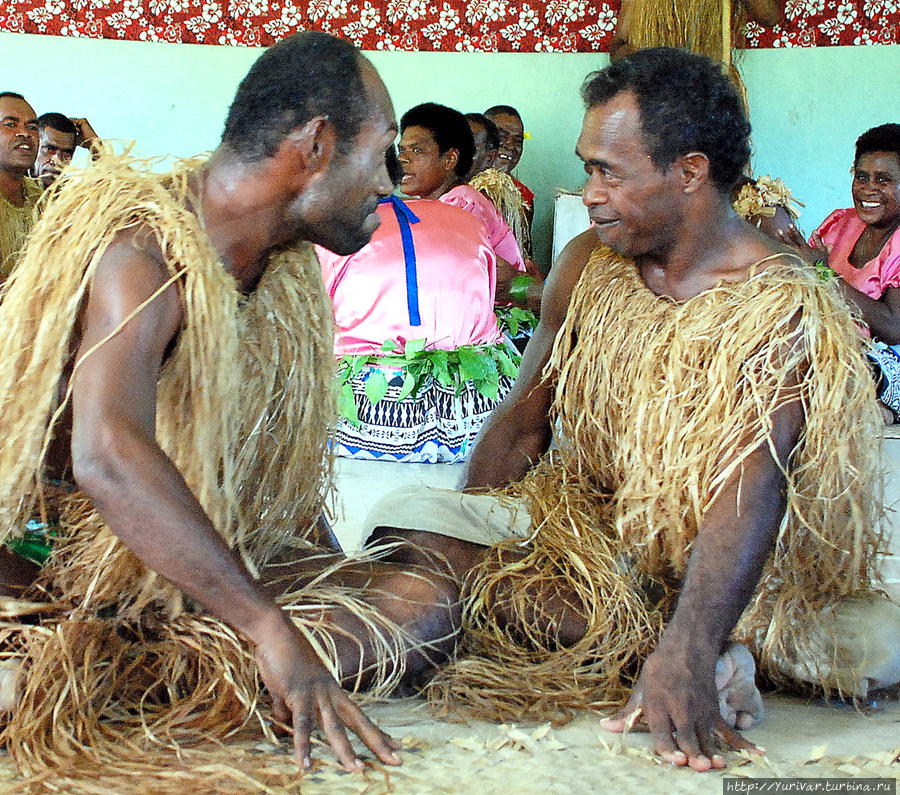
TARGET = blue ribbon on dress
x,y
405,217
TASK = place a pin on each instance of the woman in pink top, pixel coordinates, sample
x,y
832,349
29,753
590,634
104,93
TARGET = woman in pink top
x,y
435,151
416,306
862,245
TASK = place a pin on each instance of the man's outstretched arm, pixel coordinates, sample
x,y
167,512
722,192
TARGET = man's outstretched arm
x,y
676,689
145,501
518,432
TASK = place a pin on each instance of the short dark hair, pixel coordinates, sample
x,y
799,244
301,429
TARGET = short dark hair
x,y
449,128
58,122
687,104
492,134
305,75
883,138
508,110
11,95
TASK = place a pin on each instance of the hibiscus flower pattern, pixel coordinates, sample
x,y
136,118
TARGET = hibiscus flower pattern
x,y
428,25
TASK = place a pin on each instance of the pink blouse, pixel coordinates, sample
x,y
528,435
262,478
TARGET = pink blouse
x,y
503,241
451,288
839,232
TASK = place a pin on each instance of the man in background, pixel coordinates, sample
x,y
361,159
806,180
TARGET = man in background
x,y
18,193
60,136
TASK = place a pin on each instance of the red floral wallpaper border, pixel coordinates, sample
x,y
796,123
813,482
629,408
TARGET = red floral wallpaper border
x,y
426,25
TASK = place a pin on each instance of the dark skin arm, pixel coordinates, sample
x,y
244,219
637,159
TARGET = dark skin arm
x,y
881,315
620,46
676,688
518,432
86,137
143,497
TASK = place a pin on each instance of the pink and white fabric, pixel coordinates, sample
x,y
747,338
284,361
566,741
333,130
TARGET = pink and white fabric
x,y
839,232
501,237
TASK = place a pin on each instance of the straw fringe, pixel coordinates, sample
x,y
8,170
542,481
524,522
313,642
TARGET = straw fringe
x,y
502,191
246,371
656,414
687,24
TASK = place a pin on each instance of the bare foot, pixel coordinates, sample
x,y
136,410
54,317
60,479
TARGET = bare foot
x,y
10,676
740,703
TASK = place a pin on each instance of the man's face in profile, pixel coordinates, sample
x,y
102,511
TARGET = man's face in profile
x,y
54,154
339,213
634,206
484,157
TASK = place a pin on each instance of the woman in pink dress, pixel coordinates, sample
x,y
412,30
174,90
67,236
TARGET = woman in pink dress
x,y
862,245
421,358
435,152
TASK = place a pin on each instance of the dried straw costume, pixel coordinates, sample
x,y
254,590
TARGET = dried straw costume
x,y
15,223
702,26
658,403
502,191
120,664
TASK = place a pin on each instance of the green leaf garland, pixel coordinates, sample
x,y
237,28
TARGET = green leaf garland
x,y
482,365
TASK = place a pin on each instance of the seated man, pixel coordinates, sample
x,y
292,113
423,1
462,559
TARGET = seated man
x,y
171,381
717,456
420,356
497,185
59,137
512,144
487,143
18,192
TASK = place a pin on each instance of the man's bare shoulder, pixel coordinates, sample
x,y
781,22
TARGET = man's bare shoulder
x,y
133,272
755,252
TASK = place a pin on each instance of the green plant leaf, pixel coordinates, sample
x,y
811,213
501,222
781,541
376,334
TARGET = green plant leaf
x,y
409,383
490,389
376,386
347,404
472,364
357,363
506,365
413,347
389,345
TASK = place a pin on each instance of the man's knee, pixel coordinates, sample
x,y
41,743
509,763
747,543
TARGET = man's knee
x,y
448,556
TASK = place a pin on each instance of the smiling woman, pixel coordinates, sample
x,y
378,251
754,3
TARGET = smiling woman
x,y
862,245
435,152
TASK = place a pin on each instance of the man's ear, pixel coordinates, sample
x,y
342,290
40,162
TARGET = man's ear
x,y
693,171
310,147
450,158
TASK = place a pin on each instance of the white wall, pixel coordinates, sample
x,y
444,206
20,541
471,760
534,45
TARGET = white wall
x,y
807,105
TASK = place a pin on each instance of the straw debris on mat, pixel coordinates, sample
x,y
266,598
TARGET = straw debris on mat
x,y
117,668
660,404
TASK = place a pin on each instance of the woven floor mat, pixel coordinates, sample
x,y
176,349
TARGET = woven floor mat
x,y
804,740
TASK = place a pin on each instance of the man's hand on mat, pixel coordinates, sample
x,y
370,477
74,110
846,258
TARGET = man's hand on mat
x,y
676,695
305,695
